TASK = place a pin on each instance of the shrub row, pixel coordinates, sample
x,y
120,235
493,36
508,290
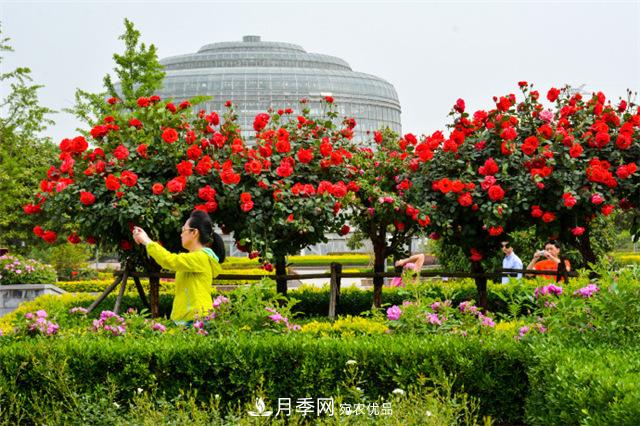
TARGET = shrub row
x,y
41,371
513,382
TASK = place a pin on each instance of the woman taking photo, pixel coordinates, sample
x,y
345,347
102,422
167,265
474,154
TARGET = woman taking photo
x,y
553,261
194,270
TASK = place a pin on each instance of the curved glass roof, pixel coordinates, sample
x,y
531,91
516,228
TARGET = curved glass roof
x,y
257,75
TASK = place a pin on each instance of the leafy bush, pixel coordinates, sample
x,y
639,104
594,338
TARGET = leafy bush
x,y
18,270
596,385
491,370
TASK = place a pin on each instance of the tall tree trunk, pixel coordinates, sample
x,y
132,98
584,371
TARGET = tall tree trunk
x,y
281,269
378,266
481,285
154,287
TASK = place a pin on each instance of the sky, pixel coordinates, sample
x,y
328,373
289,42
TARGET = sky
x,y
432,52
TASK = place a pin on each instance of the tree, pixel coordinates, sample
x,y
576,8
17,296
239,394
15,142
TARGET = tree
x,y
139,74
380,210
24,152
521,165
284,193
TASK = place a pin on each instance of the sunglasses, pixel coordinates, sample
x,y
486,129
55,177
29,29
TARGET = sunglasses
x,y
507,245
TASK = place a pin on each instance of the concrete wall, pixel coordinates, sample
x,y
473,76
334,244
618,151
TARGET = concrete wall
x,y
12,295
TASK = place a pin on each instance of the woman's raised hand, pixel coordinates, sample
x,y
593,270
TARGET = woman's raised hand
x,y
140,236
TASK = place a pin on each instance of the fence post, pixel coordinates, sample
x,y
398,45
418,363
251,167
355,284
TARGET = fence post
x,y
334,292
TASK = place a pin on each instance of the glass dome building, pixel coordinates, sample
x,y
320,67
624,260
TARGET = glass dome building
x,y
256,75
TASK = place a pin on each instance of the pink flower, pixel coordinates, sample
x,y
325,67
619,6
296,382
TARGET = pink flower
x,y
396,282
577,231
393,313
159,327
587,291
41,313
433,319
277,317
486,321
219,301
546,115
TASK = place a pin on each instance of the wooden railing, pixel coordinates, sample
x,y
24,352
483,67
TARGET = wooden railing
x,y
334,275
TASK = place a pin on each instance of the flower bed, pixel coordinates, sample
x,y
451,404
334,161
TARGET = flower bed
x,y
18,270
515,364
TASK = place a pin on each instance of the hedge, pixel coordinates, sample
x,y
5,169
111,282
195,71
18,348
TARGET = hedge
x,y
596,385
40,371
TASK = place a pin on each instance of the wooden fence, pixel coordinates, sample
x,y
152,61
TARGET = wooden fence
x,y
334,275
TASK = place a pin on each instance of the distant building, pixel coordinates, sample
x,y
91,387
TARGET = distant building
x,y
256,75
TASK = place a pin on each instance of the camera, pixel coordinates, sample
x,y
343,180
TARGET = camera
x,y
541,253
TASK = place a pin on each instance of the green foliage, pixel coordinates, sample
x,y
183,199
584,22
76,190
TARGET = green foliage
x,y
24,153
492,371
595,385
69,260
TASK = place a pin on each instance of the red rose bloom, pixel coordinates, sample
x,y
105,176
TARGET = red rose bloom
x,y
126,245
536,211
128,178
157,188
73,238
509,134
185,168
99,131
143,102
607,209
87,198
204,165
38,231
490,168
494,231
171,107
496,193
284,169
553,94
339,190
476,256
548,217
246,207
377,137
177,184
260,122
194,152
112,183
134,122
121,152
577,231
597,199
170,135
325,148
142,150
503,104
575,151
49,237
207,193
305,155
465,200
459,106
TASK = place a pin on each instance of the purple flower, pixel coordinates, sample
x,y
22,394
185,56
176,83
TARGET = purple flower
x,y
277,317
547,289
159,327
523,330
467,307
587,291
219,301
28,315
78,310
487,321
434,319
393,313
41,313
396,282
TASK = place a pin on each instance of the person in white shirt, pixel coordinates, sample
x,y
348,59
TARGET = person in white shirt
x,y
510,261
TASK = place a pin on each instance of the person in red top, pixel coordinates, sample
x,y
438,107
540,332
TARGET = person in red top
x,y
553,261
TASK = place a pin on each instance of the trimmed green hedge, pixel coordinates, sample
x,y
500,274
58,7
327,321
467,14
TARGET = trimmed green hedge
x,y
40,371
597,385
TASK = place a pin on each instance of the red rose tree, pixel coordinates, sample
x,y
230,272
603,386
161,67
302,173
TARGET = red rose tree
x,y
283,191
380,210
520,164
